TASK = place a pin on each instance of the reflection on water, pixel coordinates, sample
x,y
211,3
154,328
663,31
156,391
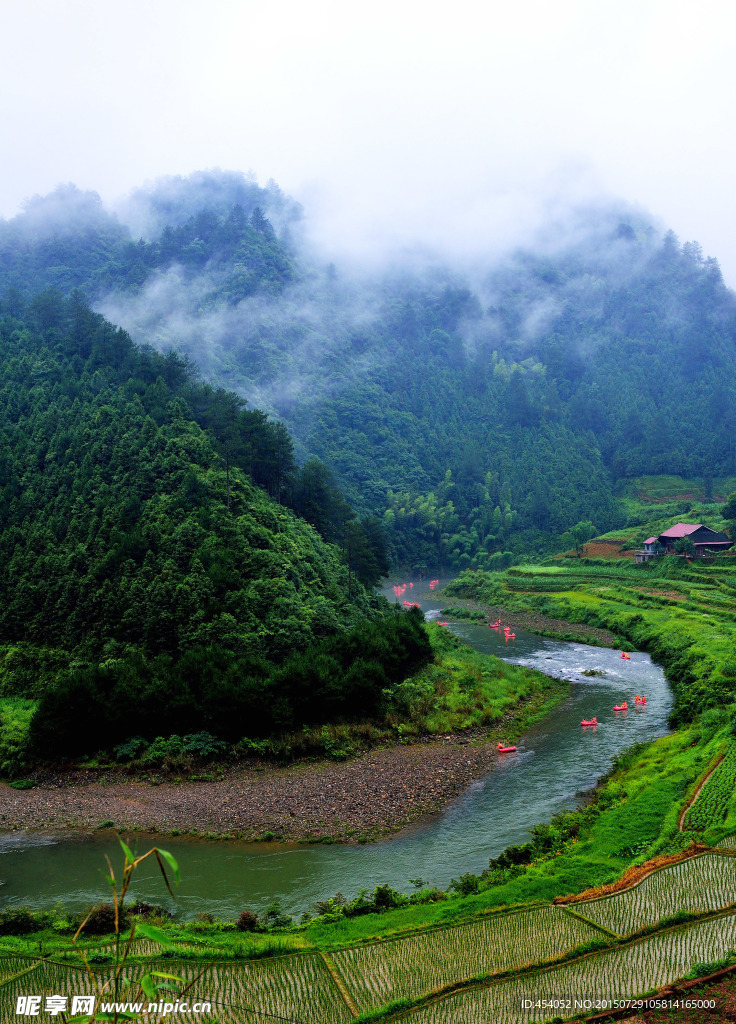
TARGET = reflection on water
x,y
556,761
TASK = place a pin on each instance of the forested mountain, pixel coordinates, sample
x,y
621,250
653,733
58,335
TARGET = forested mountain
x,y
473,417
154,578
124,527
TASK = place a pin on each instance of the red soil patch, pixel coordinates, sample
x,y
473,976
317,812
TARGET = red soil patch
x,y
635,874
607,549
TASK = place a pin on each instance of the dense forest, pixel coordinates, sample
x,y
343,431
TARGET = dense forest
x,y
150,558
465,421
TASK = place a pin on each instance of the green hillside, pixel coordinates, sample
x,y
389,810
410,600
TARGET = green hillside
x,y
143,565
476,421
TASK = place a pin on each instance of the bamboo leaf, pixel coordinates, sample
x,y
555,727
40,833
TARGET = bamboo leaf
x,y
172,862
148,931
148,986
127,851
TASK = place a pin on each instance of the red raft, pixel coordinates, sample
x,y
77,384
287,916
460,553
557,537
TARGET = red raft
x,y
505,750
589,721
621,707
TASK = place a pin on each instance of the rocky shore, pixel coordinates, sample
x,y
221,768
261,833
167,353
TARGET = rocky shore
x,y
534,622
374,795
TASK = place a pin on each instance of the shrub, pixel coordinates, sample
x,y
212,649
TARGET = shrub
x,y
203,746
149,910
275,916
413,698
466,885
131,749
386,898
18,921
703,968
101,920
247,922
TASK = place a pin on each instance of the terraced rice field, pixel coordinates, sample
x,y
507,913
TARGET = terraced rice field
x,y
712,803
616,974
12,965
307,988
411,966
705,883
729,843
296,988
48,978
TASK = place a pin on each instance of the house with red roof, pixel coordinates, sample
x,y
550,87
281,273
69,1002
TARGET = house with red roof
x,y
705,541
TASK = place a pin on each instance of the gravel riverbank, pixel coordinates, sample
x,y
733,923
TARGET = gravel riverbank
x,y
376,794
534,622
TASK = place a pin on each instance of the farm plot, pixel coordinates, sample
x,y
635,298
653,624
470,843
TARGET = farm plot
x,y
12,965
712,802
45,979
702,884
408,967
298,988
729,843
138,948
616,974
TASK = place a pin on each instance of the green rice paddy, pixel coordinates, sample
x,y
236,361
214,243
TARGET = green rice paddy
x,y
702,884
474,972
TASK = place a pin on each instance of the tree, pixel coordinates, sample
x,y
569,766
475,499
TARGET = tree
x,y
729,512
685,546
578,536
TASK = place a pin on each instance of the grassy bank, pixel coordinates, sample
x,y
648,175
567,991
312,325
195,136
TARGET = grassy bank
x,y
463,690
683,614
533,622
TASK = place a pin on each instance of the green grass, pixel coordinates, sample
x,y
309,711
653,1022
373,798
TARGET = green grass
x,y
15,718
458,963
683,614
466,689
656,488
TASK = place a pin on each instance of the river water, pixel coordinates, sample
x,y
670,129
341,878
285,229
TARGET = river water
x,y
556,762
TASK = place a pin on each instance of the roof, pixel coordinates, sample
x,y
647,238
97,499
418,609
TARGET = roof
x,y
681,530
651,540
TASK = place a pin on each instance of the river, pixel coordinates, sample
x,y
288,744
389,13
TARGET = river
x,y
556,763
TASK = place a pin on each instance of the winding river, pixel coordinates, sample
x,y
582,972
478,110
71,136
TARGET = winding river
x,y
556,763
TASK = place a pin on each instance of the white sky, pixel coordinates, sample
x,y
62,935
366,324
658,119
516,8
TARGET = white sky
x,y
456,122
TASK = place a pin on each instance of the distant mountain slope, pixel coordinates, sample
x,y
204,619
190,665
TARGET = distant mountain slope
x,y
604,352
